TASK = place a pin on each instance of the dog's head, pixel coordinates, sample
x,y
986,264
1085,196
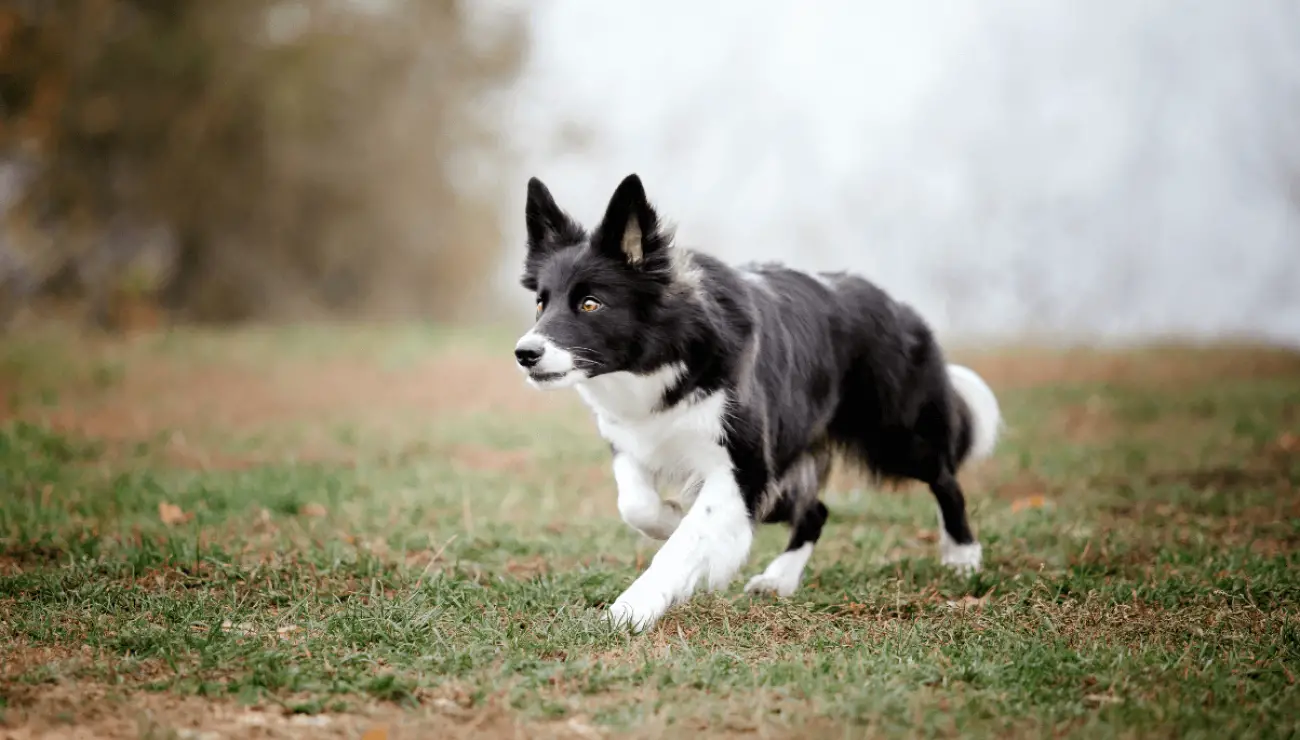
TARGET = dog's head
x,y
598,293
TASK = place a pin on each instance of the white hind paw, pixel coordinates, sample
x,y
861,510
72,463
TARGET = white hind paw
x,y
782,577
964,559
764,583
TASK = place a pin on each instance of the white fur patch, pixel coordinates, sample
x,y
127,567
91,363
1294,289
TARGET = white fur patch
x,y
964,559
709,547
556,361
983,405
672,445
828,279
783,575
628,396
681,445
639,502
686,274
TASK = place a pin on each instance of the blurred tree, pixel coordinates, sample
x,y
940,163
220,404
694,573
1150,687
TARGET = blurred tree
x,y
257,158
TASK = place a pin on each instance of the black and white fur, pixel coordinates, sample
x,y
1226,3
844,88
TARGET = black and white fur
x,y
738,386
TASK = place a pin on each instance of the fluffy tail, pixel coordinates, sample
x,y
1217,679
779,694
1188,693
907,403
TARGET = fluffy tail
x,y
985,416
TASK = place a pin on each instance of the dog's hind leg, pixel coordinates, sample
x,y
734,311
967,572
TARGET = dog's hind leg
x,y
958,548
784,573
926,462
806,514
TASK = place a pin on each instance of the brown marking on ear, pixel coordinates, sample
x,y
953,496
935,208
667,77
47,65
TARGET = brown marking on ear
x,y
632,241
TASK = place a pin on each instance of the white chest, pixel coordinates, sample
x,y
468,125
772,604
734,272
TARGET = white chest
x,y
675,444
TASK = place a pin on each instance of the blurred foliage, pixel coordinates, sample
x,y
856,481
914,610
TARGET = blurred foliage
x,y
254,158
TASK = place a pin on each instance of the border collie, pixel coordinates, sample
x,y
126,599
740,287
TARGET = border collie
x,y
738,386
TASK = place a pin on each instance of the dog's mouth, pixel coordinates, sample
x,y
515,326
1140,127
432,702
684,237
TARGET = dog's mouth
x,y
546,381
538,377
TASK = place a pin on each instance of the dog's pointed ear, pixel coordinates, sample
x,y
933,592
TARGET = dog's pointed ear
x,y
548,226
630,229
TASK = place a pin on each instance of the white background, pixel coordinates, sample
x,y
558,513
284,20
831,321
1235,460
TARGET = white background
x,y
1120,169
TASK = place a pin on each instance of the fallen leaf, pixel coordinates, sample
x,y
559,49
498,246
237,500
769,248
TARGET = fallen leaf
x,y
1037,501
264,522
584,730
287,630
253,717
379,732
315,510
969,602
171,514
243,628
448,706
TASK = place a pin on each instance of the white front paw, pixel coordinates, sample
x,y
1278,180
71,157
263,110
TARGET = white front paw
x,y
636,613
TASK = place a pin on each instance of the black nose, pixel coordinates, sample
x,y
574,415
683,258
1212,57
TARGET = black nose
x,y
528,356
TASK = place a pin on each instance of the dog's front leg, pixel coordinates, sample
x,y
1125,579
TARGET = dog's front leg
x,y
639,502
711,544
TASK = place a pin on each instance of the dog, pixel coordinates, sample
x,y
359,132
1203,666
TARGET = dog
x,y
739,386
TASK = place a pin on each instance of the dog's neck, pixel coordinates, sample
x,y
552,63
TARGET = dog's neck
x,y
629,397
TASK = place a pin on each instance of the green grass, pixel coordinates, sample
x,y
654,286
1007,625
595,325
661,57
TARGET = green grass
x,y
461,558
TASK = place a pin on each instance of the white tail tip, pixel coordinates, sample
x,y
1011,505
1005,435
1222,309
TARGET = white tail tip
x,y
986,417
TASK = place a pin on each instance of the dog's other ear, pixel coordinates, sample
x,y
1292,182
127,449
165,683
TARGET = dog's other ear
x,y
548,226
630,229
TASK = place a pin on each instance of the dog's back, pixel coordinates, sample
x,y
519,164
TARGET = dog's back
x,y
840,362
842,367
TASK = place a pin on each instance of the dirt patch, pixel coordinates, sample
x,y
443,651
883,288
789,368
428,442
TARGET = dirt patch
x,y
81,710
1026,486
10,565
528,567
1154,367
488,459
86,710
180,453
1090,422
1221,478
159,396
20,660
183,410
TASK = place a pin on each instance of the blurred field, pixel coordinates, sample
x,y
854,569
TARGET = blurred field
x,y
337,529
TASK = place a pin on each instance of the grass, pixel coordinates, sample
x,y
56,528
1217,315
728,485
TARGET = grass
x,y
326,530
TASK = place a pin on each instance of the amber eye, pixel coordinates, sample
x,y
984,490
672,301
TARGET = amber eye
x,y
588,305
